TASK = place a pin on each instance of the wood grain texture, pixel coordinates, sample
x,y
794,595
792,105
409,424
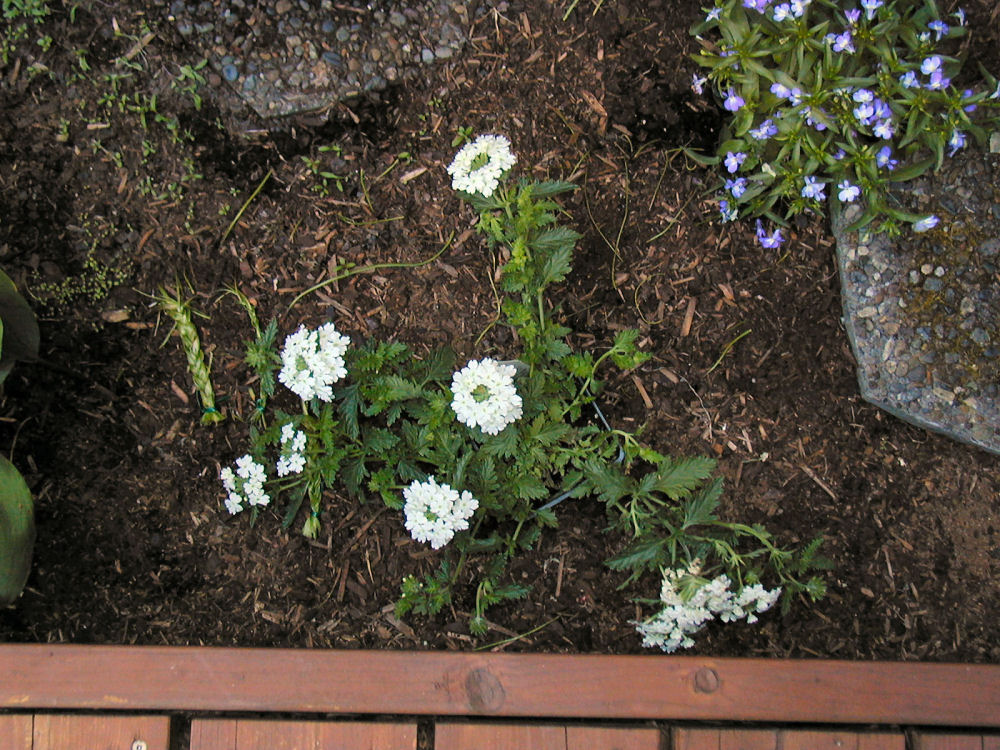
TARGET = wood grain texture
x,y
466,736
940,741
256,734
104,732
784,739
613,738
474,684
15,732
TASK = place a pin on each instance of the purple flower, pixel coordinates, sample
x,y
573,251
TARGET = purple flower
x,y
848,192
870,7
734,102
930,64
883,130
737,187
799,7
781,12
764,131
769,241
928,222
813,189
940,28
734,161
909,80
780,90
938,81
758,5
713,15
840,154
960,15
956,141
968,94
728,213
884,158
852,15
842,42
811,121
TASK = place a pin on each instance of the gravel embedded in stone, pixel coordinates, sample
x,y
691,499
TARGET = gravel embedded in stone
x,y
286,57
927,353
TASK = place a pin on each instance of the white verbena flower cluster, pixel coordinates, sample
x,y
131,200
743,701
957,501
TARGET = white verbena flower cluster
x,y
293,446
479,165
672,627
312,361
485,396
245,485
435,512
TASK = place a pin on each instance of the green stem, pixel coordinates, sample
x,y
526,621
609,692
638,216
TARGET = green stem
x,y
372,267
239,214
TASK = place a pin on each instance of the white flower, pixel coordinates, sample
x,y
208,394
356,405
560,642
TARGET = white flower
x,y
683,616
245,485
435,512
312,361
485,396
293,445
478,166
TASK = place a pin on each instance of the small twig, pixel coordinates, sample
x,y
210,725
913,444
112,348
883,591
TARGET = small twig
x,y
512,639
239,214
367,269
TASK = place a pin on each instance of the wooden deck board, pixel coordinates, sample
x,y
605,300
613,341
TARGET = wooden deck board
x,y
254,734
501,685
483,736
15,731
99,732
940,741
784,739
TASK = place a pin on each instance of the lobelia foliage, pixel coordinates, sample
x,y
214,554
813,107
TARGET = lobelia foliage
x,y
833,99
19,340
481,457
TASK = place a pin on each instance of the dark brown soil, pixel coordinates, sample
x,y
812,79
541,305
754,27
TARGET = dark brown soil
x,y
134,545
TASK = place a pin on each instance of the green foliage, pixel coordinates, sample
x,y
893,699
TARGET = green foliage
x,y
390,422
17,532
828,61
19,340
34,10
18,327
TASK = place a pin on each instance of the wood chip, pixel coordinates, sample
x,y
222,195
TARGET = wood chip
x,y
642,392
689,316
412,174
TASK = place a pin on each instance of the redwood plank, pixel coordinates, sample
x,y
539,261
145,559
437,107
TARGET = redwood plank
x,y
64,731
800,740
725,739
214,734
922,741
463,736
784,739
471,684
15,732
258,734
613,738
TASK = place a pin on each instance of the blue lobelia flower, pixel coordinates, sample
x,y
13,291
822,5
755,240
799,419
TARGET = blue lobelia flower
x,y
848,192
769,241
813,189
734,160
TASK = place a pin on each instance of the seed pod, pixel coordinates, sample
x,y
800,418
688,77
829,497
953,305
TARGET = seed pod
x,y
179,312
